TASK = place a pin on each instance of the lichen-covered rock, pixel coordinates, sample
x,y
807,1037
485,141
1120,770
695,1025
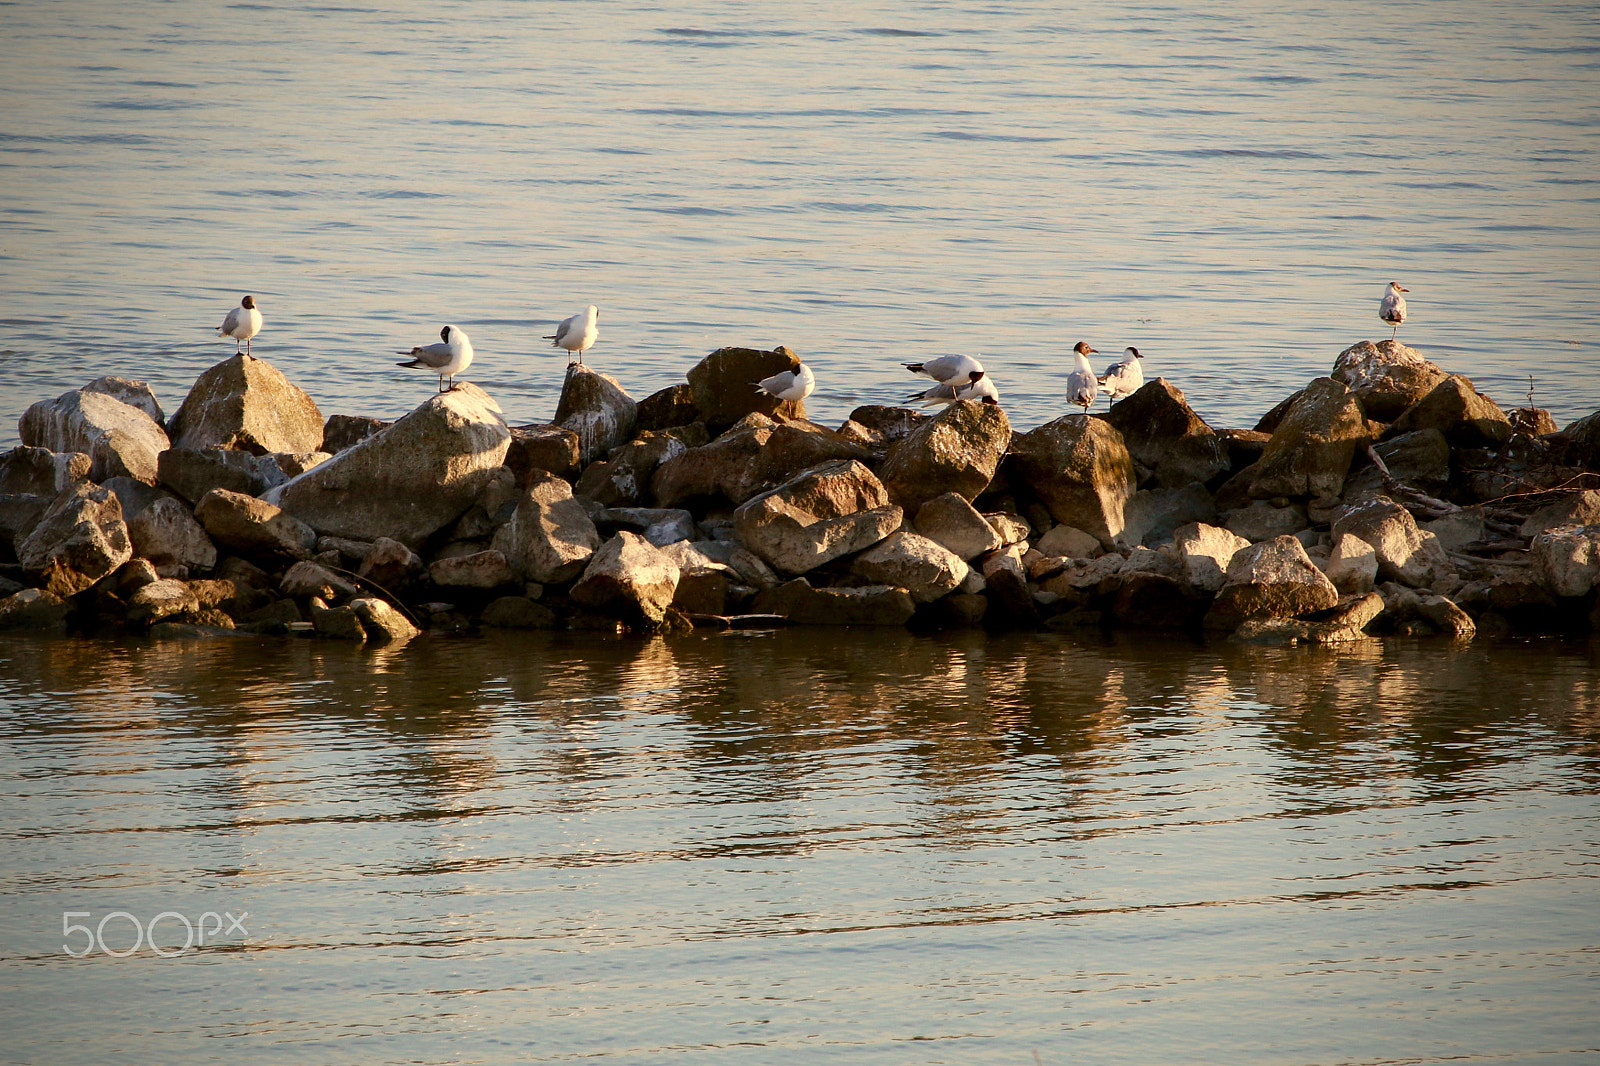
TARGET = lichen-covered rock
x,y
950,521
1404,552
1081,470
598,409
1205,553
247,404
1466,417
80,538
629,577
409,480
1567,560
549,537
1274,579
120,440
724,386
870,605
167,532
1387,377
957,451
831,510
246,524
1310,451
914,563
1163,432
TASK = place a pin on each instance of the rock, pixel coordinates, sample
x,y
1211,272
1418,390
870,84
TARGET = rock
x,y
1579,509
703,590
1420,459
306,579
1352,565
33,609
630,578
1310,451
1163,432
383,624
752,569
1387,377
1274,579
877,426
596,408
728,467
550,448
340,623
79,539
1270,421
1405,553
623,480
659,525
134,574
408,481
133,393
275,617
671,406
1459,529
1404,608
341,431
1567,561
1205,553
390,565
1244,446
1534,421
1085,575
29,471
480,570
1150,598
1011,605
913,562
1069,541
1010,528
166,532
871,605
1080,469
954,524
19,515
957,451
831,510
491,509
519,612
1345,621
246,524
1466,417
723,385
1152,516
247,404
120,440
191,472
550,537
135,495
1262,521
799,445
160,599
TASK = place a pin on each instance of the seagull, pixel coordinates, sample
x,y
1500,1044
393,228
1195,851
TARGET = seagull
x,y
1124,378
1393,308
981,388
1081,383
948,369
793,384
447,357
242,323
578,333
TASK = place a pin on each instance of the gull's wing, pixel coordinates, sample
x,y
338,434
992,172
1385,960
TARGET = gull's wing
x,y
432,355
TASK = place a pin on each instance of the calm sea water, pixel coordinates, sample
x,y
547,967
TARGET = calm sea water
x,y
1226,186
800,846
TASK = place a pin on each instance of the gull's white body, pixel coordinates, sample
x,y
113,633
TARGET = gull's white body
x,y
447,357
982,389
1081,383
1393,308
242,323
790,384
578,333
1124,378
948,369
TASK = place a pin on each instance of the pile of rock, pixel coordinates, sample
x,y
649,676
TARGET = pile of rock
x,y
1389,496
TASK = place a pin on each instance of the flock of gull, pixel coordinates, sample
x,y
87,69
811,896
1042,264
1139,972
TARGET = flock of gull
x,y
958,377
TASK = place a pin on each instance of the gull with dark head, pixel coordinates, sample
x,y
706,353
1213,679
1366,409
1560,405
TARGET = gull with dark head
x,y
980,388
242,323
948,369
1081,383
1393,308
578,333
447,357
1123,378
793,384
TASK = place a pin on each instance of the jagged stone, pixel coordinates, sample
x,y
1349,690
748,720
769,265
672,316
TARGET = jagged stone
x,y
598,409
871,605
1069,541
671,406
1153,516
629,577
549,537
167,532
724,386
341,431
408,481
1403,608
1420,459
1466,417
339,623
1274,579
160,599
133,393
390,565
247,404
306,579
950,521
79,539
19,515
831,510
481,570
1404,552
1010,528
246,524
957,451
1579,509
551,448
623,479
800,445
659,525
383,624
1310,451
1387,377
1567,560
1205,552
1163,432
1081,470
30,471
728,467
120,440
913,562
1263,521
1156,599
193,472
1352,564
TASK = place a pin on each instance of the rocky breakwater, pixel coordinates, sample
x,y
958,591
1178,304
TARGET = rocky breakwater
x,y
1389,496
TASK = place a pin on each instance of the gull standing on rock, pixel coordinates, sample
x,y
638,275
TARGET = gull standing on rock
x,y
1081,383
447,357
793,384
948,369
1124,378
981,388
1393,308
578,333
242,323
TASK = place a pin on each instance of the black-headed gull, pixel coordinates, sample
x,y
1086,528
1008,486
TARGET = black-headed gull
x,y
1124,378
948,369
1081,383
793,384
447,357
242,323
1393,308
578,333
980,388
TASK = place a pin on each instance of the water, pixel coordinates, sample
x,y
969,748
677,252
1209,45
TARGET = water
x,y
1227,187
802,847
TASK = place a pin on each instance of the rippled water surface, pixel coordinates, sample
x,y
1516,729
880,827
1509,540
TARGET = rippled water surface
x,y
1227,186
802,846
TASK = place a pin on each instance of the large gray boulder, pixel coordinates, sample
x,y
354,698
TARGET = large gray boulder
x,y
549,537
1310,451
551,448
598,409
79,540
1081,470
1205,552
193,472
250,525
957,451
1387,377
623,478
724,386
1162,432
31,471
1404,552
409,480
166,532
1466,417
1274,579
831,510
1567,561
954,524
728,467
914,563
629,577
121,440
247,403
133,393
